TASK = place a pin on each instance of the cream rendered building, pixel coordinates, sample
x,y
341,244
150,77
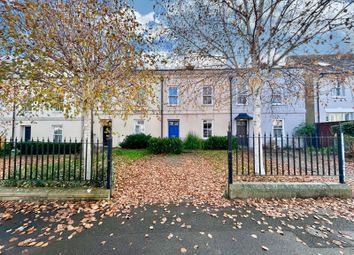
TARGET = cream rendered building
x,y
193,101
186,101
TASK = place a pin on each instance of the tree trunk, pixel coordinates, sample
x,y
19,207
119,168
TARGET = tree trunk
x,y
87,146
256,83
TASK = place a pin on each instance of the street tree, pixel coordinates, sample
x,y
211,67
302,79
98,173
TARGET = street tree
x,y
251,38
81,56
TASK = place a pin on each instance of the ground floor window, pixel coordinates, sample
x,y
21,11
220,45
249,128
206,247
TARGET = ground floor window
x,y
278,127
57,134
139,127
207,128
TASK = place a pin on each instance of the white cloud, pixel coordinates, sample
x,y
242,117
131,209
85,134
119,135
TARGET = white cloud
x,y
144,19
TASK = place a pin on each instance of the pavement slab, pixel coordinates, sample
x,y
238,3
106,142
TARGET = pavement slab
x,y
189,229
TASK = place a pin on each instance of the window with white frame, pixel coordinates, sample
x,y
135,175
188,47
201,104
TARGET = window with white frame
x,y
277,96
278,127
173,95
241,97
57,133
338,90
139,127
340,116
208,95
207,128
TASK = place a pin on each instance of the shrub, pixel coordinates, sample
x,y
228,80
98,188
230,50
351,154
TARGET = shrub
x,y
137,141
218,143
165,145
305,130
347,127
349,145
193,142
5,149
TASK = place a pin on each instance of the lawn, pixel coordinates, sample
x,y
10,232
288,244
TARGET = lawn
x,y
131,154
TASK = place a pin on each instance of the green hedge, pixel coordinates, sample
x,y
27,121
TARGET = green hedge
x,y
35,147
165,146
137,141
5,149
347,127
305,130
218,143
193,142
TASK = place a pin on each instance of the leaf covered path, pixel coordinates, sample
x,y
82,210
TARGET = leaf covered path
x,y
168,179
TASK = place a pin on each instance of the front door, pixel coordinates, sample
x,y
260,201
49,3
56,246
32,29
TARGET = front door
x,y
242,132
107,131
27,133
173,128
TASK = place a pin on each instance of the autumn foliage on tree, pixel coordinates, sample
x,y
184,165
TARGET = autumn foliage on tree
x,y
82,56
251,38
77,55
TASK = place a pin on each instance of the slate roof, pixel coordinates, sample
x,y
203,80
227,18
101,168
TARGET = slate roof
x,y
330,63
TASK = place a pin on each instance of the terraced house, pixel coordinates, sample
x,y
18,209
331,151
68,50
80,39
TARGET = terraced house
x,y
191,100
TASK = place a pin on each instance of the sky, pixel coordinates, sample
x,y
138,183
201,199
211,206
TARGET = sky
x,y
143,6
144,10
145,14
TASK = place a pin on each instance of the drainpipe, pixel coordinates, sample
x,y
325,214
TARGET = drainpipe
x,y
13,124
318,105
161,104
13,117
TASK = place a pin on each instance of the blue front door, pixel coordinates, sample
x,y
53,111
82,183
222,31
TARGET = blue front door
x,y
173,128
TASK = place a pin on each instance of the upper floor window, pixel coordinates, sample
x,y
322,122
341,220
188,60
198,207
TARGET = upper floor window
x,y
338,90
241,97
57,134
208,95
173,95
277,96
278,127
139,127
207,128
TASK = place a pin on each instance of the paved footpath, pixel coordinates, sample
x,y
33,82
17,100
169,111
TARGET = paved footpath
x,y
186,229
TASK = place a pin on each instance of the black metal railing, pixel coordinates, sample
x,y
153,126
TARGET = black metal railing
x,y
288,155
53,161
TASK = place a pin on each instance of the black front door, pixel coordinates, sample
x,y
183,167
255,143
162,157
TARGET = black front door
x,y
242,132
27,133
107,131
